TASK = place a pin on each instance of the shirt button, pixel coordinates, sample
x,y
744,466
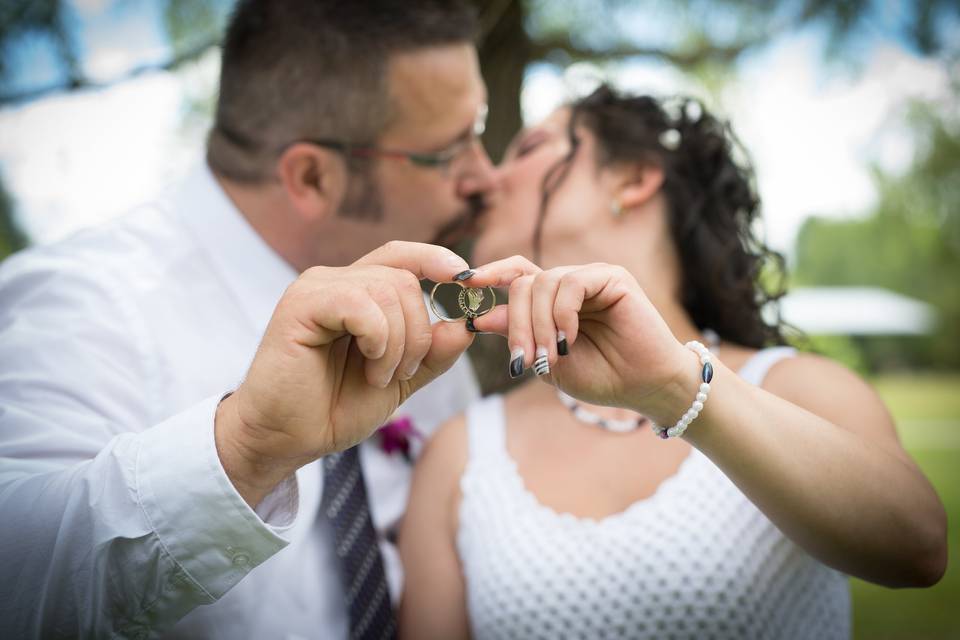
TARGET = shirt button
x,y
238,557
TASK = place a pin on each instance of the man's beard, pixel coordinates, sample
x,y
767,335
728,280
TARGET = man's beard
x,y
364,201
464,226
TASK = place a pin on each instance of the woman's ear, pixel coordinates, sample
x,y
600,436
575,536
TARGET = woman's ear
x,y
639,184
314,180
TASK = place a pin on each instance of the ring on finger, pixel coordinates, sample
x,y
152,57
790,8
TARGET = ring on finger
x,y
470,300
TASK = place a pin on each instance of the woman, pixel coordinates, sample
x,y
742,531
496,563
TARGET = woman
x,y
537,515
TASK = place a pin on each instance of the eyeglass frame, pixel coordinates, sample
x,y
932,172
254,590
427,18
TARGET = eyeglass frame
x,y
440,160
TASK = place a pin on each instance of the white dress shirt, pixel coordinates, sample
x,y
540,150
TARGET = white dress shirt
x,y
116,516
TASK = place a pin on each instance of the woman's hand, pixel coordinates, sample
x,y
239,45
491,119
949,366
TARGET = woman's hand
x,y
621,352
809,447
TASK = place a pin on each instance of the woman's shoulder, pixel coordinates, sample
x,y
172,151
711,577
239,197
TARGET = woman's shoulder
x,y
447,450
789,372
804,372
832,391
808,376
447,445
801,377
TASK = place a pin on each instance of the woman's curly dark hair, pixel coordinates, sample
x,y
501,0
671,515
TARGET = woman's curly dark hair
x,y
713,206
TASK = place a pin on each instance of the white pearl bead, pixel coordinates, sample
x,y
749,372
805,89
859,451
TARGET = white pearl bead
x,y
705,357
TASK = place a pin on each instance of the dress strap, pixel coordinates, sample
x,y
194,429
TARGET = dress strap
x,y
755,369
486,428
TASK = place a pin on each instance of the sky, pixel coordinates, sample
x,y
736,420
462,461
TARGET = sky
x,y
812,129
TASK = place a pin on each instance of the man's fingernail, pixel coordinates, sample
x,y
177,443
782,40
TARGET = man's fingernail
x,y
562,347
541,365
516,363
464,275
384,382
411,370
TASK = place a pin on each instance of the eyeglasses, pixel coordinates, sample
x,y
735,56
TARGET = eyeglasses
x,y
443,160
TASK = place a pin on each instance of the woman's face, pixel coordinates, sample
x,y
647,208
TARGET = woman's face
x,y
576,205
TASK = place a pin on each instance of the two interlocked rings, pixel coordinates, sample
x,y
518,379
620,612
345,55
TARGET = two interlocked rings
x,y
470,300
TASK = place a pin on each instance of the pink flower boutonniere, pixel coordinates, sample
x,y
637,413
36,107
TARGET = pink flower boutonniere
x,y
397,435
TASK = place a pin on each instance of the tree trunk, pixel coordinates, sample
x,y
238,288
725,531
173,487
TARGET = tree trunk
x,y
504,55
504,50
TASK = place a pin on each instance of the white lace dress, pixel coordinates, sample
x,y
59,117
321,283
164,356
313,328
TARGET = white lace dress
x,y
695,560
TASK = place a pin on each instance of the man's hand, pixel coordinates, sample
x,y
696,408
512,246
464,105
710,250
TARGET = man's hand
x,y
344,348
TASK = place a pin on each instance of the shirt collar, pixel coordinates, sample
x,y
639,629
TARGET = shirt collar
x,y
248,265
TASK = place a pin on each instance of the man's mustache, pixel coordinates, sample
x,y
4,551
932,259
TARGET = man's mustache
x,y
464,225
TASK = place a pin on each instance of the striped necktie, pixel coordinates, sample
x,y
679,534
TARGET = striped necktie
x,y
364,581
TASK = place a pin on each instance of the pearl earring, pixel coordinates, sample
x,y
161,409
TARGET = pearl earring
x,y
616,208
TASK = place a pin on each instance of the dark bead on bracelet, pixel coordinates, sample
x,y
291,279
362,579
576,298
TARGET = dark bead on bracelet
x,y
707,374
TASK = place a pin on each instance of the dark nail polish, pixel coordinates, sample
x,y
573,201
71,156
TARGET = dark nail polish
x,y
470,326
562,348
464,275
541,366
516,364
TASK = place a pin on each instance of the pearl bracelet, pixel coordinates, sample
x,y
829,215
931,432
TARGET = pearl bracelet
x,y
706,375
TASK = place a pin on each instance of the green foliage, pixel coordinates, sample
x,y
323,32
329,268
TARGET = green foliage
x,y
11,238
842,349
910,243
192,23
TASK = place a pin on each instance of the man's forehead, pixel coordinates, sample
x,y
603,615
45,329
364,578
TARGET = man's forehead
x,y
436,90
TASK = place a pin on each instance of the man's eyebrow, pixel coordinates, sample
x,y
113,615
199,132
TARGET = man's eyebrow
x,y
467,132
463,136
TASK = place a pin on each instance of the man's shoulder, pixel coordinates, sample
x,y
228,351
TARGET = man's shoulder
x,y
132,247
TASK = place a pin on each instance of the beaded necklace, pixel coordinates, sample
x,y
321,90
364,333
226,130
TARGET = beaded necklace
x,y
631,424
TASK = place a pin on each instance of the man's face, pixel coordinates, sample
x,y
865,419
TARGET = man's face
x,y
436,97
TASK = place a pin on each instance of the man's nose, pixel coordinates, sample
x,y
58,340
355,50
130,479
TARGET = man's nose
x,y
480,176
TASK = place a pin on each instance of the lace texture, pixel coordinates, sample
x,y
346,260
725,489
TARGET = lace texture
x,y
695,560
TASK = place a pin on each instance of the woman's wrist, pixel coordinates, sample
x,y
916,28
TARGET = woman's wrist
x,y
678,428
673,399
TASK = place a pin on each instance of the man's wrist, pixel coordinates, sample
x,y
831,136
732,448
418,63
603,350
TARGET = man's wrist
x,y
253,476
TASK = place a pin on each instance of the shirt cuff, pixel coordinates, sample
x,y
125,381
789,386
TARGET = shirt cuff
x,y
196,512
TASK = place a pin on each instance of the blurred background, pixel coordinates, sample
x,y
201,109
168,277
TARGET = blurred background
x,y
850,111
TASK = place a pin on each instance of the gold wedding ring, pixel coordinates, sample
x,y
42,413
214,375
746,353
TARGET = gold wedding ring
x,y
470,301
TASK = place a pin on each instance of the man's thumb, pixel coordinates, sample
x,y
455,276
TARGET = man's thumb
x,y
450,340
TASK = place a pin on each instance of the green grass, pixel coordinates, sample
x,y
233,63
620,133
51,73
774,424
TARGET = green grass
x,y
921,397
927,411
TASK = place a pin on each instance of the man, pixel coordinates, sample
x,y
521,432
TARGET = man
x,y
134,486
